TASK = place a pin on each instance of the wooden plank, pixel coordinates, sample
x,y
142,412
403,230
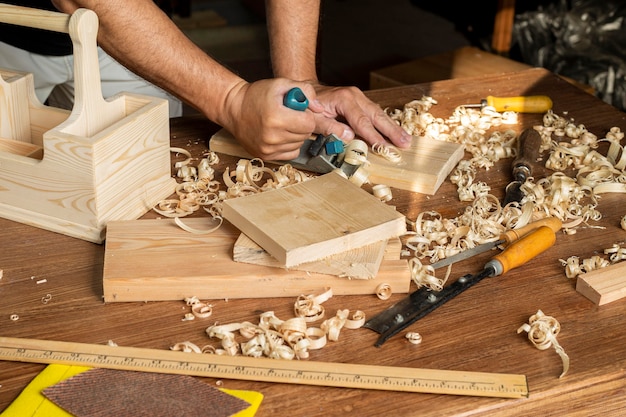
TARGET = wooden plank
x,y
155,260
425,165
314,219
603,285
21,148
361,263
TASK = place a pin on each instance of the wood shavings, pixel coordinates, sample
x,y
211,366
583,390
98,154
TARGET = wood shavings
x,y
382,192
413,338
622,224
310,306
199,188
574,266
46,299
389,152
424,276
573,200
383,291
276,338
14,317
198,308
542,331
333,326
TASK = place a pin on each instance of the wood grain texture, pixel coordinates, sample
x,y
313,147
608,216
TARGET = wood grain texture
x,y
474,332
424,166
360,263
314,219
73,172
603,285
154,260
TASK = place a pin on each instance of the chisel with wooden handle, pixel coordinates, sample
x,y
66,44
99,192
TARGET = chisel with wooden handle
x,y
505,238
528,145
423,301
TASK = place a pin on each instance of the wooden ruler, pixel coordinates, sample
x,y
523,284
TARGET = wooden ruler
x,y
268,370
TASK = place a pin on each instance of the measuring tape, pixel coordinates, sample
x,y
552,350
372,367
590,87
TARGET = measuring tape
x,y
267,370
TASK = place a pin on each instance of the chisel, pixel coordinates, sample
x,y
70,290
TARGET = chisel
x,y
505,238
519,104
528,145
423,301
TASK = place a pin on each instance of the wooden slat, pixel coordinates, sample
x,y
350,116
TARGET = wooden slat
x,y
425,165
603,285
356,263
155,260
314,219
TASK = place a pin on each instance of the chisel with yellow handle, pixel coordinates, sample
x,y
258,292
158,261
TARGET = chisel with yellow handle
x,y
423,301
504,239
519,104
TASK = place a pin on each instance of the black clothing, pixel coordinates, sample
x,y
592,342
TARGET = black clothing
x,y
42,42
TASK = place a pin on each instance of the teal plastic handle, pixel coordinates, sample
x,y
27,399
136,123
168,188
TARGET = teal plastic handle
x,y
296,100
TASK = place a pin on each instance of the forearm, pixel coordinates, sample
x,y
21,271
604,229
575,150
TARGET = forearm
x,y
142,38
293,27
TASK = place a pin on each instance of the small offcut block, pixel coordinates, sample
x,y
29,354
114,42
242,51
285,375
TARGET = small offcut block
x,y
603,285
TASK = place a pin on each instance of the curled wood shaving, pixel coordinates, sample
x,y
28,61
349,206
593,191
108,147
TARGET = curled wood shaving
x,y
198,308
382,192
389,152
413,338
333,326
383,291
360,176
574,266
310,306
542,331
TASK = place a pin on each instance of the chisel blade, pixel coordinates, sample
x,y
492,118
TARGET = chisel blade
x,y
468,253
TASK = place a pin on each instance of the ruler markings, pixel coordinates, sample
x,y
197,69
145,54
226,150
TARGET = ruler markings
x,y
267,370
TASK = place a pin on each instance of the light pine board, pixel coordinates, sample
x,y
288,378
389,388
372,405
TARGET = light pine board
x,y
155,260
603,285
314,219
424,166
360,263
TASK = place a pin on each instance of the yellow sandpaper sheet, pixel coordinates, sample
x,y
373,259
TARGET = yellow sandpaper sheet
x,y
32,403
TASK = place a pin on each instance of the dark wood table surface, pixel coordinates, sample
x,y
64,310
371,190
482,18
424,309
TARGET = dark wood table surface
x,y
477,331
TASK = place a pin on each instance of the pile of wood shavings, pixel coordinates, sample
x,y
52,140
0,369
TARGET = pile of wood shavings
x,y
199,188
280,339
574,266
573,200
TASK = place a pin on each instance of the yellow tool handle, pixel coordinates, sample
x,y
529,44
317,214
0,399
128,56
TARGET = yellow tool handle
x,y
512,235
520,104
523,250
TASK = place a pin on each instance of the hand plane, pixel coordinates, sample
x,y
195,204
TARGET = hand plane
x,y
322,154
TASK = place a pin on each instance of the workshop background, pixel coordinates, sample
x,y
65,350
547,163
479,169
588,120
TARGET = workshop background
x,y
581,39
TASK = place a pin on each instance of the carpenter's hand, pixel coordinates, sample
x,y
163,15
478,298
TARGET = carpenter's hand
x,y
263,125
363,117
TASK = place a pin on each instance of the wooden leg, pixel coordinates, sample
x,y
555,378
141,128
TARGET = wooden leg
x,y
503,27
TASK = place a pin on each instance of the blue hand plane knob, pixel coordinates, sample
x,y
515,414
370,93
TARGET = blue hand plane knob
x,y
296,100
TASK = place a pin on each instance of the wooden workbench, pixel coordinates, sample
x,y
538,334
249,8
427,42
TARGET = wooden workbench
x,y
474,332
